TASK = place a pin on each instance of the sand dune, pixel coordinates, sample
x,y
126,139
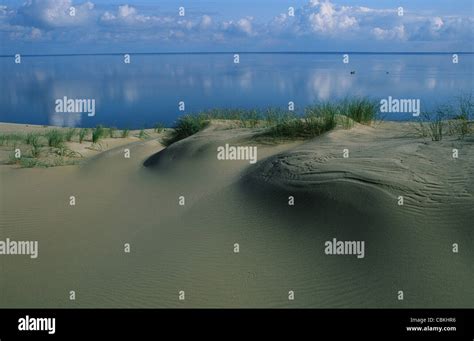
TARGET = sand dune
x,y
191,247
388,161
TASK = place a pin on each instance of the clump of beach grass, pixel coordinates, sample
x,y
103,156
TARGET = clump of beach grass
x,y
98,133
462,113
158,127
125,133
32,137
344,121
111,132
316,120
246,118
64,151
143,134
55,138
186,126
450,119
69,134
435,124
27,162
35,146
31,162
11,138
23,161
82,134
361,110
274,116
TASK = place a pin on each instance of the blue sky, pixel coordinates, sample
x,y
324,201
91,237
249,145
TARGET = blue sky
x,y
46,26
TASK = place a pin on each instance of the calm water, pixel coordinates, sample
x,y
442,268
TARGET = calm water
x,y
148,90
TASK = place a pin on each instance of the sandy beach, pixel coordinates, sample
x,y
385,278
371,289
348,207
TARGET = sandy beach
x,y
346,184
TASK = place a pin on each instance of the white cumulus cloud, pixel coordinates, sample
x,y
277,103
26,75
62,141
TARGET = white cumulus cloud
x,y
54,13
316,21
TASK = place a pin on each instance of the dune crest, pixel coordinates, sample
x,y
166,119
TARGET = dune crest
x,y
387,159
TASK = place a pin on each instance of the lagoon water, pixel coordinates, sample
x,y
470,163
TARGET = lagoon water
x,y
148,90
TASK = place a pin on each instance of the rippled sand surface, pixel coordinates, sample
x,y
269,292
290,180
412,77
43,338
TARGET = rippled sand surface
x,y
191,247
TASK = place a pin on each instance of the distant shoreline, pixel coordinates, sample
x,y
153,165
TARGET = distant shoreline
x,y
239,52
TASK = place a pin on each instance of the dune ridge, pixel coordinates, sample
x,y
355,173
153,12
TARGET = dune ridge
x,y
389,159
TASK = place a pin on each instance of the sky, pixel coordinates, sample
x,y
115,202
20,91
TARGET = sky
x,y
128,26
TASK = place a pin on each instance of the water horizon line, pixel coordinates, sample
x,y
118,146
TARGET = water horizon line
x,y
241,52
